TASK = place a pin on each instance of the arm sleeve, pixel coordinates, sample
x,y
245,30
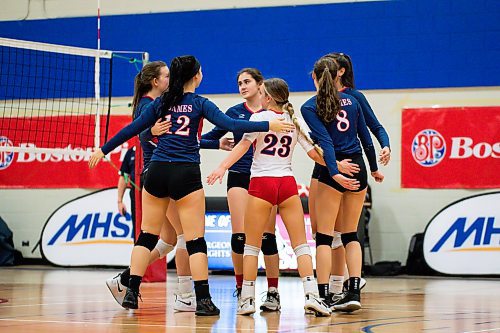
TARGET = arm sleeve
x,y
145,120
366,141
372,122
215,116
323,137
209,144
304,143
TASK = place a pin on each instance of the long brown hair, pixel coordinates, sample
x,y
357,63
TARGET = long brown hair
x,y
344,61
142,81
278,90
253,72
327,100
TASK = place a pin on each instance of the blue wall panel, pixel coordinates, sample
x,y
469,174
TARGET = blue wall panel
x,y
394,44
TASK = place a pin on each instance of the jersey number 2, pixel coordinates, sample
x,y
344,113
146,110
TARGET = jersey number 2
x,y
183,121
272,140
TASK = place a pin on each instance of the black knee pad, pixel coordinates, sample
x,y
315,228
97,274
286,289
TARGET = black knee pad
x,y
269,246
197,245
238,242
147,240
323,239
349,237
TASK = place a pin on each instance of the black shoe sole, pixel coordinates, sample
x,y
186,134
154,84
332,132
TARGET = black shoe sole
x,y
207,314
129,306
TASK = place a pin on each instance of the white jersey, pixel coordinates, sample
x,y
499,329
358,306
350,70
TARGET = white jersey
x,y
273,151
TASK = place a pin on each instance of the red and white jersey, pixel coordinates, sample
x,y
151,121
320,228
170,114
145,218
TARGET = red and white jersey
x,y
273,151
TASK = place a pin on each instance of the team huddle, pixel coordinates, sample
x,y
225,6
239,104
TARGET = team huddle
x,y
168,115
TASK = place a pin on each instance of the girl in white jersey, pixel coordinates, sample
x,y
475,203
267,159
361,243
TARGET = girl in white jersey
x,y
272,183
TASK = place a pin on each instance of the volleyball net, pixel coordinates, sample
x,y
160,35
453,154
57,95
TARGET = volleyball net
x,y
55,98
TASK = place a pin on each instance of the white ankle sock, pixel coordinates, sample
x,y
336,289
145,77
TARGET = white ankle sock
x,y
336,284
185,284
310,285
248,289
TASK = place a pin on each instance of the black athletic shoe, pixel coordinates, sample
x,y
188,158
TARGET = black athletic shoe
x,y
205,307
349,302
131,299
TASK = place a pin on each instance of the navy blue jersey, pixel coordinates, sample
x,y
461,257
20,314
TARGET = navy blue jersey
x,y
148,141
371,120
128,165
240,111
341,135
181,143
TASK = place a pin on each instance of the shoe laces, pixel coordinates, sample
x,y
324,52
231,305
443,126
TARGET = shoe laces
x,y
237,292
270,296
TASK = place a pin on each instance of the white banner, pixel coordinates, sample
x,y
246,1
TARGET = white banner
x,y
89,231
464,238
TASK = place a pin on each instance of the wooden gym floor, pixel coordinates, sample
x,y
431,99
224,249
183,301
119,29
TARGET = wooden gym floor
x,y
52,300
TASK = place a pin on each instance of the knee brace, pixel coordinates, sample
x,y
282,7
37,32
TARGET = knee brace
x,y
251,251
163,248
238,242
181,242
302,249
323,239
337,240
269,246
197,245
349,237
147,240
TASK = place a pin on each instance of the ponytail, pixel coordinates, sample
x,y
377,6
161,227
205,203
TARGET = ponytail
x,y
327,100
142,81
278,90
182,70
288,107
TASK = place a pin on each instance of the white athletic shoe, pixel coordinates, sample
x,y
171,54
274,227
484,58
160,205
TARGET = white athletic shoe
x,y
185,302
314,304
116,288
246,306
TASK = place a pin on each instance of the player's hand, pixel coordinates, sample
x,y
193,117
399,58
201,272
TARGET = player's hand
x,y
385,156
378,176
216,174
95,157
281,126
226,144
348,168
161,127
348,183
122,209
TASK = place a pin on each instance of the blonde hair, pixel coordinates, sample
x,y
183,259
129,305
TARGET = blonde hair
x,y
327,99
278,90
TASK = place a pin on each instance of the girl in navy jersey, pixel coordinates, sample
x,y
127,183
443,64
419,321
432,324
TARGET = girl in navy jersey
x,y
345,83
174,173
238,179
336,120
149,84
272,183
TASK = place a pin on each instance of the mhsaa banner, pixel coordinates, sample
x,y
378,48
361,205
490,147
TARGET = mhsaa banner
x,y
464,238
456,147
89,231
30,169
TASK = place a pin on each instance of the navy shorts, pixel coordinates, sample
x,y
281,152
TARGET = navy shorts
x,y
174,180
362,176
237,179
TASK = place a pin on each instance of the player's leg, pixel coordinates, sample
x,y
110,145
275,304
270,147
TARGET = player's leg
x,y
352,207
271,258
237,200
293,217
256,216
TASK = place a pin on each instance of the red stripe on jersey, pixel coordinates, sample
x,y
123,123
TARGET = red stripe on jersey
x,y
147,96
343,89
200,128
250,110
278,112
